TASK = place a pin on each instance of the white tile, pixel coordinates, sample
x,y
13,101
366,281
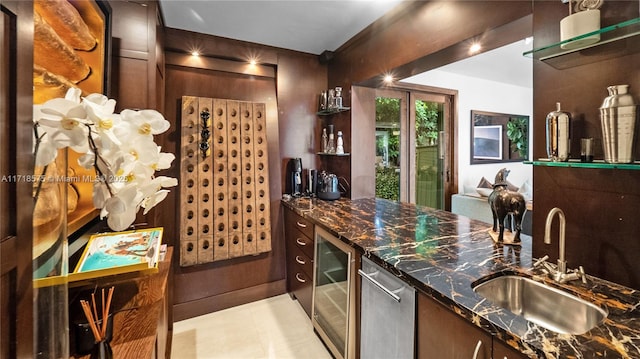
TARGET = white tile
x,y
275,327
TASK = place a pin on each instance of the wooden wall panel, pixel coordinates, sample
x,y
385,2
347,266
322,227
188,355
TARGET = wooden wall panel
x,y
290,130
600,205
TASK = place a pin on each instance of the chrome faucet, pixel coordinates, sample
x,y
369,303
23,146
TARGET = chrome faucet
x,y
559,274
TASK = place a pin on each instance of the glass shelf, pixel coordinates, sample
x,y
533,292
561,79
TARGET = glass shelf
x,y
577,164
333,154
332,112
608,34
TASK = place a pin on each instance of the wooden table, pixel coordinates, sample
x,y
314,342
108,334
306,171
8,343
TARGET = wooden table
x,y
142,316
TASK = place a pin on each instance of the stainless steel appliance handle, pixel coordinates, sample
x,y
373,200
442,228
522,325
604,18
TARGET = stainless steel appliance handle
x,y
377,284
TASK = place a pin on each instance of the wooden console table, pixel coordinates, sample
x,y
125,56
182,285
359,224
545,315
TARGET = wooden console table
x,y
142,322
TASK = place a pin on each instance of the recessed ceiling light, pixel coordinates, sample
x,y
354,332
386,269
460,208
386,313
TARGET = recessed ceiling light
x,y
388,78
195,53
475,48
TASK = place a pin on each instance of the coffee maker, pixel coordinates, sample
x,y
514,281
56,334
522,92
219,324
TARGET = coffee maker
x,y
293,184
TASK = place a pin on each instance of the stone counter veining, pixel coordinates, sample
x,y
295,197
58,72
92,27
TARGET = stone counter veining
x,y
442,254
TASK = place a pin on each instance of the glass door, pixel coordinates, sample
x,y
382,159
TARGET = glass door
x,y
332,289
429,158
391,117
414,149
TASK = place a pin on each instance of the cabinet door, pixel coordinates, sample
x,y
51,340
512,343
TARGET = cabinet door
x,y
503,351
444,334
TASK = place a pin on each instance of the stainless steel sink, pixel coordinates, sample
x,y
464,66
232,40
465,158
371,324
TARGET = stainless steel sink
x,y
541,304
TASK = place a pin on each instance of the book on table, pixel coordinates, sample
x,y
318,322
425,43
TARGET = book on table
x,y
114,253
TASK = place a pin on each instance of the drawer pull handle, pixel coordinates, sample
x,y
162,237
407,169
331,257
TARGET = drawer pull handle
x,y
301,280
300,260
388,292
301,225
475,352
300,242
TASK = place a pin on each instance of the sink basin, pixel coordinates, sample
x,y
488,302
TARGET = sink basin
x,y
541,304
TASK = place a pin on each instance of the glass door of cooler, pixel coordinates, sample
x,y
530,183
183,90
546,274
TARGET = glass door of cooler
x,y
331,301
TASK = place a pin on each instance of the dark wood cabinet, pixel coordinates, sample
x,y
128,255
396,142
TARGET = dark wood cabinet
x,y
299,247
444,334
503,351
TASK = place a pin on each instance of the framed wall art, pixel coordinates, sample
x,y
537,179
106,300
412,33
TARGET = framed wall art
x,y
498,137
72,41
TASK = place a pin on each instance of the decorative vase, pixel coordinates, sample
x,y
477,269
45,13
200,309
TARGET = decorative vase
x,y
50,261
578,24
618,120
102,350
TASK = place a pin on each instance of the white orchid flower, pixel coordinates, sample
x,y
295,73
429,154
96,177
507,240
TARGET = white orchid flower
x,y
164,160
121,209
100,113
149,202
145,122
120,147
100,194
68,118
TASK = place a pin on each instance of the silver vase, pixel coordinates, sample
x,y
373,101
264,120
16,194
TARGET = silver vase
x,y
618,119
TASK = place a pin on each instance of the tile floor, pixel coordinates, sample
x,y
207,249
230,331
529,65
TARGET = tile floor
x,y
275,327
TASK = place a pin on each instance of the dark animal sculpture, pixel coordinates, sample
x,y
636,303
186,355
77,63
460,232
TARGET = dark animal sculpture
x,y
504,202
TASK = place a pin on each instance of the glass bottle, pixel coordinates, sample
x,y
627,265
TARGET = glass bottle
x,y
325,140
331,144
340,144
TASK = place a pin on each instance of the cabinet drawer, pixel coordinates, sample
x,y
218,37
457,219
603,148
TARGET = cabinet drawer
x,y
300,260
294,221
299,240
301,286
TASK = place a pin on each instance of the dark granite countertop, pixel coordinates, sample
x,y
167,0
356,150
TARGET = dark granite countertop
x,y
442,254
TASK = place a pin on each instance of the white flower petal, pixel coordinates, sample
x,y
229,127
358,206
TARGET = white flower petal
x,y
73,94
152,201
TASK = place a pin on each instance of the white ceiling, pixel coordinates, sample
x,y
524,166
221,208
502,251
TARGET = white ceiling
x,y
313,26
310,26
504,64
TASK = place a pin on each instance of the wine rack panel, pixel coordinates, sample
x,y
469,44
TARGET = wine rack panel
x,y
224,180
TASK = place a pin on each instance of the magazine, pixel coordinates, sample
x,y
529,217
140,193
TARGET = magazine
x,y
119,252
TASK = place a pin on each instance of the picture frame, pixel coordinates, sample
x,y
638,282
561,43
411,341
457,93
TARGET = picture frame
x,y
51,80
498,137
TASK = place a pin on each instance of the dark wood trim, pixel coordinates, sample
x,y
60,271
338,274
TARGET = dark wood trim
x,y
214,303
491,39
210,63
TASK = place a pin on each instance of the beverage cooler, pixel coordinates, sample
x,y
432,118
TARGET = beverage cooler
x,y
334,294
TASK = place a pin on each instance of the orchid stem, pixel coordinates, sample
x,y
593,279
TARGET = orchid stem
x,y
101,175
44,170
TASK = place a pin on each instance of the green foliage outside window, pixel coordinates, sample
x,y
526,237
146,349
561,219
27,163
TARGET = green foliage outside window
x,y
387,183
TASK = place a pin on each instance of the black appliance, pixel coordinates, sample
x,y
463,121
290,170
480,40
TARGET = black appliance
x,y
293,185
